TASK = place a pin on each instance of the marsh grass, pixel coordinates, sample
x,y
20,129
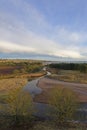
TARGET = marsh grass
x,y
70,76
16,105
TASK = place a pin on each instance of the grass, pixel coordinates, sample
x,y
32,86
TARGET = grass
x,y
47,125
69,76
15,105
20,75
20,68
51,126
8,85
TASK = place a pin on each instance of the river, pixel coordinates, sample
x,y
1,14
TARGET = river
x,y
42,108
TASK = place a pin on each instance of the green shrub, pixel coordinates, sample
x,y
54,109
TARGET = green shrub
x,y
19,106
64,102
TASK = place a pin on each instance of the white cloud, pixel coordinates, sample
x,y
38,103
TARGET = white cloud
x,y
38,45
8,47
22,40
67,36
68,53
20,35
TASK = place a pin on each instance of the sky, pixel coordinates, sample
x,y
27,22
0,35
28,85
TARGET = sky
x,y
43,29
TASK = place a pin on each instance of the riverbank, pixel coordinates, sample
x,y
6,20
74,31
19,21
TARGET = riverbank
x,y
47,85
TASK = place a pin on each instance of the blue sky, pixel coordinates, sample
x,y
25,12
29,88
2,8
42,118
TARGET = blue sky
x,y
43,29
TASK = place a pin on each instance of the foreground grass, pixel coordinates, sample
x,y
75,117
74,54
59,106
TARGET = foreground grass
x,y
16,105
51,126
41,125
12,83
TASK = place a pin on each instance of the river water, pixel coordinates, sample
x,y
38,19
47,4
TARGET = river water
x,y
42,109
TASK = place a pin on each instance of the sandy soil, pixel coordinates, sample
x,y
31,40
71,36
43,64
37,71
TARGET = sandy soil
x,y
48,84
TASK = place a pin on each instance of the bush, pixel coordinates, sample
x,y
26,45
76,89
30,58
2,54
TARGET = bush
x,y
19,105
64,105
16,71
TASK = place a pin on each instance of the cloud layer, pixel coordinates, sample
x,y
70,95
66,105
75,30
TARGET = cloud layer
x,y
26,30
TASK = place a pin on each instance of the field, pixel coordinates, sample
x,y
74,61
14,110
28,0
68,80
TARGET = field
x,y
14,75
69,76
9,85
8,69
20,68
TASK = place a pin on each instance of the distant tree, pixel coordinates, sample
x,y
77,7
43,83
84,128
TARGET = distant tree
x,y
82,67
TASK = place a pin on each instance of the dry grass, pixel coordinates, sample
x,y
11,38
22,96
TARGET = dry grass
x,y
69,76
5,70
15,105
9,84
28,76
32,75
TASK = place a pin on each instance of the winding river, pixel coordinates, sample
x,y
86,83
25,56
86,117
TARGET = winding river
x,y
42,108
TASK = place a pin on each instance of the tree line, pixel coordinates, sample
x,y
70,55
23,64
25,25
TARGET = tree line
x,y
82,67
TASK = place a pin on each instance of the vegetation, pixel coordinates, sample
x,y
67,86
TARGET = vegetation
x,y
16,105
64,103
70,66
69,76
12,69
69,72
20,109
19,105
7,85
51,126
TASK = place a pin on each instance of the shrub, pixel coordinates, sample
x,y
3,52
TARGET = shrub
x,y
20,105
64,104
